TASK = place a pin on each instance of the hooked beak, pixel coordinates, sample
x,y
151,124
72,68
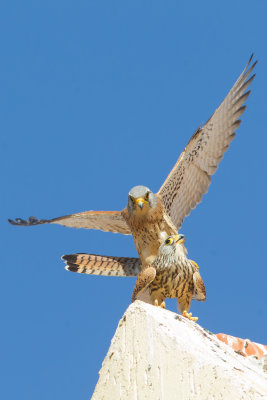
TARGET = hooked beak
x,y
140,202
179,238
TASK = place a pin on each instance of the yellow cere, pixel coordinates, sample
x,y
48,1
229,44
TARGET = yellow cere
x,y
140,200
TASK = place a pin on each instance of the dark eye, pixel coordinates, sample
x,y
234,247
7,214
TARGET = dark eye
x,y
169,241
146,196
132,198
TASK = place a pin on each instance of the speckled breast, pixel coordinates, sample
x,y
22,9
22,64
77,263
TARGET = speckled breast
x,y
148,239
173,281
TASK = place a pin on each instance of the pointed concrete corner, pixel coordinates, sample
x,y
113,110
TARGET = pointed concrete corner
x,y
157,355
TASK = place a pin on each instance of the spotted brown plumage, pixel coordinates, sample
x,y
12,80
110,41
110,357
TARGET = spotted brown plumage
x,y
150,217
171,275
94,264
149,224
102,265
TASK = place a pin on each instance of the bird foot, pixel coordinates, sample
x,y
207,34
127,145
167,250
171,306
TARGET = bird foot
x,y
189,316
162,305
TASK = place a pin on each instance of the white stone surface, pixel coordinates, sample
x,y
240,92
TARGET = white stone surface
x,y
158,355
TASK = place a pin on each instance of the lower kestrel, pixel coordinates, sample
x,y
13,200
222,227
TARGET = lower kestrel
x,y
150,217
171,275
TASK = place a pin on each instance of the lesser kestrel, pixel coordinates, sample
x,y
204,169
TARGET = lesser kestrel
x,y
170,275
150,217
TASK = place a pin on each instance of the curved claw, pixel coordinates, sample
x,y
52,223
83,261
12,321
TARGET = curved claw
x,y
162,305
189,316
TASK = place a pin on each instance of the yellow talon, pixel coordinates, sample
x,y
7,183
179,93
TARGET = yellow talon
x,y
189,316
163,305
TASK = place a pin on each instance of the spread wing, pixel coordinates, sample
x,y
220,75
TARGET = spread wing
x,y
199,292
190,178
144,279
102,265
108,221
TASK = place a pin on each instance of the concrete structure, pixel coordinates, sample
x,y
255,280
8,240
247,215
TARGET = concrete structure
x,y
158,355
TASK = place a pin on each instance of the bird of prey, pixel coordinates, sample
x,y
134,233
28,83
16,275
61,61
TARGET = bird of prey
x,y
171,275
150,217
94,264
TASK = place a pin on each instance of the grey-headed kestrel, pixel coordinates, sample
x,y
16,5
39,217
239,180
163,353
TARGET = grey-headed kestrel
x,y
94,264
150,217
170,275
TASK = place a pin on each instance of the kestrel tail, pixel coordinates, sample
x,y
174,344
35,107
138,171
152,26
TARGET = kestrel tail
x,y
94,264
150,217
102,265
171,275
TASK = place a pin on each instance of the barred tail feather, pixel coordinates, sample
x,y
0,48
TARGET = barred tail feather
x,y
102,265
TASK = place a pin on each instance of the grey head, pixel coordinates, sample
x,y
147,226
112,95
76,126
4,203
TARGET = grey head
x,y
171,249
141,200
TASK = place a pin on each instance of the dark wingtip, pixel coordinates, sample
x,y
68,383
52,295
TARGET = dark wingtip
x,y
22,222
250,59
251,67
72,267
18,221
34,220
69,258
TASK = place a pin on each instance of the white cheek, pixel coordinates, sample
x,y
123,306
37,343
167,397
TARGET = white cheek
x,y
165,251
180,251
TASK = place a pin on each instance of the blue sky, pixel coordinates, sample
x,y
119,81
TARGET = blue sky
x,y
96,97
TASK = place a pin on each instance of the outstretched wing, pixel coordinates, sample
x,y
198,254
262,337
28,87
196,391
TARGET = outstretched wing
x,y
190,178
144,279
102,265
108,221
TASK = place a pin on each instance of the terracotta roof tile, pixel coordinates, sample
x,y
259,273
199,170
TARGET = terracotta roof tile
x,y
243,346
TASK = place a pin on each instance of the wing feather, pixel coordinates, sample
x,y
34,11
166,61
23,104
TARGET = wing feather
x,y
144,279
102,265
190,178
108,221
199,292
